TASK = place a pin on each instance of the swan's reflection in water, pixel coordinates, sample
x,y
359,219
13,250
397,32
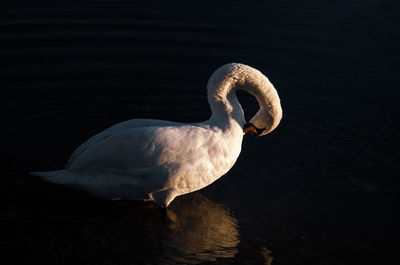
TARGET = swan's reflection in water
x,y
201,230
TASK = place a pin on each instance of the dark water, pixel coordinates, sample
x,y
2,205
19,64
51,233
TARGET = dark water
x,y
322,189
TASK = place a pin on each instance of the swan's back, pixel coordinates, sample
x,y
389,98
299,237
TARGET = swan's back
x,y
117,128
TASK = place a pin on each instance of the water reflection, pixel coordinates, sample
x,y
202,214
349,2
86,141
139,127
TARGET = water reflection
x,y
266,254
201,230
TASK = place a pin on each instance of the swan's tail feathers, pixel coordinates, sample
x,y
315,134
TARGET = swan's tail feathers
x,y
104,184
57,176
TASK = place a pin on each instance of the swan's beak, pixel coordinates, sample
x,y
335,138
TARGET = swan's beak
x,y
253,130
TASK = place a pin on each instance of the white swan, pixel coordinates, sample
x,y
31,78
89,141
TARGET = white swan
x,y
159,160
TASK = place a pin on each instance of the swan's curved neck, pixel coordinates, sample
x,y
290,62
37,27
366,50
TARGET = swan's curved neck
x,y
224,83
225,106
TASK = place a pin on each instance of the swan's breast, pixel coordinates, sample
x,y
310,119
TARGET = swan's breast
x,y
196,156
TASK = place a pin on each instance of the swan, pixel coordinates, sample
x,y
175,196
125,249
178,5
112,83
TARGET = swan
x,y
156,160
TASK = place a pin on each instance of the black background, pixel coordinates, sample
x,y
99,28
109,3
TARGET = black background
x,y
321,189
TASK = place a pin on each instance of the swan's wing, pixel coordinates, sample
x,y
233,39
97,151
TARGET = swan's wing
x,y
117,128
129,158
168,147
122,149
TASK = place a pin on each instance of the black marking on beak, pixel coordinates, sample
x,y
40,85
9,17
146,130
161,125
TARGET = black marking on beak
x,y
250,128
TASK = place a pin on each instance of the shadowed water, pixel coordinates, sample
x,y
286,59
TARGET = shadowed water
x,y
321,189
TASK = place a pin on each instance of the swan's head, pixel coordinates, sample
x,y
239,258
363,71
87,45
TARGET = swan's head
x,y
265,121
270,113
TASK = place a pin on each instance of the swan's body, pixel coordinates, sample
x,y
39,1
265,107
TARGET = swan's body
x,y
159,160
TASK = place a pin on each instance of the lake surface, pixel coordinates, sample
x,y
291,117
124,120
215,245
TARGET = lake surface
x,y
321,189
